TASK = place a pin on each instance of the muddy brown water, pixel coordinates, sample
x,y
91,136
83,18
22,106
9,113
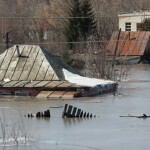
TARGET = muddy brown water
x,y
107,131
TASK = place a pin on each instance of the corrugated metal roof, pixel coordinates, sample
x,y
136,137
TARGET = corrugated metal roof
x,y
130,43
34,63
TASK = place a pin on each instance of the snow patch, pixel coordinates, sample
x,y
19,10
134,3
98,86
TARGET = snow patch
x,y
20,141
6,80
84,81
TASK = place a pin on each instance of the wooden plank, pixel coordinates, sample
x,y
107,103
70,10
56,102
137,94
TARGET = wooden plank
x,y
44,94
76,86
10,84
65,84
31,84
57,94
54,84
69,95
74,111
42,83
21,84
68,84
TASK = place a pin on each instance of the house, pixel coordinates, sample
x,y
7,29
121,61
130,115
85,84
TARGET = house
x,y
132,45
132,21
29,70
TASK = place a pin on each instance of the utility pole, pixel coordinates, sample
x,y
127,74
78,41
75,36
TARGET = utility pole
x,y
6,37
115,52
116,48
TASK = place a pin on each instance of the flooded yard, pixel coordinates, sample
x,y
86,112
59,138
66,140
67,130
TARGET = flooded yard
x,y
108,131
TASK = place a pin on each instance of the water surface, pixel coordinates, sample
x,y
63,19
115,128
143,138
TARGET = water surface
x,y
107,131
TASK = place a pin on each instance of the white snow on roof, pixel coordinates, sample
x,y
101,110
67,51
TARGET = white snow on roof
x,y
84,81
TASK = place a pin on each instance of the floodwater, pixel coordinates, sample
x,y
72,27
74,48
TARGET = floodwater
x,y
108,131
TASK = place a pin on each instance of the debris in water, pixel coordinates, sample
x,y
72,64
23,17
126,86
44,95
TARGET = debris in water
x,y
144,116
70,112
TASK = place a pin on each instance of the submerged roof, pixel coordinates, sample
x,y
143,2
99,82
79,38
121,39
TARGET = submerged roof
x,y
36,84
31,62
130,43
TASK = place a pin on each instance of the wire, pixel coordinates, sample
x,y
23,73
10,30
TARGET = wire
x,y
65,42
58,17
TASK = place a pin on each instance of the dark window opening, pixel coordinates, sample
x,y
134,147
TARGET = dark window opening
x,y
5,93
21,93
139,26
128,26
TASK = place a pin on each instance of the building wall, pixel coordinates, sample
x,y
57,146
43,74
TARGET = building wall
x,y
19,91
133,18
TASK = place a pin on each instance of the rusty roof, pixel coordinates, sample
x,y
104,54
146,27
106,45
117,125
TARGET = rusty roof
x,y
130,43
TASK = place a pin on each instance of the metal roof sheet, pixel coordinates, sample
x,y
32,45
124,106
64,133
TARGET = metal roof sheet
x,y
31,84
42,84
53,84
69,95
130,43
10,84
37,83
56,94
44,94
21,84
31,63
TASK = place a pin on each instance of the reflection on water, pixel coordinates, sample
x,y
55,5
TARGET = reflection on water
x,y
108,131
74,121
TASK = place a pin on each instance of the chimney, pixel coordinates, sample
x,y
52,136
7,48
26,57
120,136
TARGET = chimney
x,y
18,52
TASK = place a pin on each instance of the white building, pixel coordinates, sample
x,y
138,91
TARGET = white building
x,y
132,21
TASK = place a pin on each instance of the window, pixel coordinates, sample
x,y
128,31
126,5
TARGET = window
x,y
5,93
21,93
139,26
128,26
